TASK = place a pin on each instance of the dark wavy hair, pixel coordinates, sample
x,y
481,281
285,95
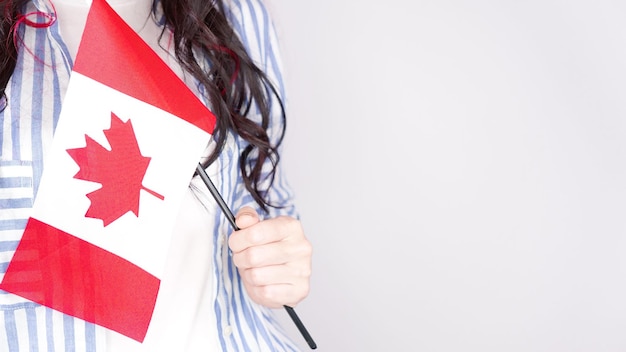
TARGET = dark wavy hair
x,y
234,84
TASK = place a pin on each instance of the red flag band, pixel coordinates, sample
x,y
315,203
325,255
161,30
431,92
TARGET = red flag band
x,y
65,273
110,46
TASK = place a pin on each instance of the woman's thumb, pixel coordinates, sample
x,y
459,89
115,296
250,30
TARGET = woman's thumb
x,y
246,217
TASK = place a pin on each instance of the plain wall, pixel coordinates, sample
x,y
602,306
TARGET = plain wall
x,y
460,168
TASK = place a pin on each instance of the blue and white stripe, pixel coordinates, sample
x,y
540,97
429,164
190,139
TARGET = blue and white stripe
x,y
255,326
26,127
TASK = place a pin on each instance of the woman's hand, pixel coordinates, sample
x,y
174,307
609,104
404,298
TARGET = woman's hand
x,y
273,257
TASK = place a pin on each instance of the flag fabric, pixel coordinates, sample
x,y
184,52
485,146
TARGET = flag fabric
x,y
127,143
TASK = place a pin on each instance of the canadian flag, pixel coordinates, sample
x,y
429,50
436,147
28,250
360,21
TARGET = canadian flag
x,y
125,148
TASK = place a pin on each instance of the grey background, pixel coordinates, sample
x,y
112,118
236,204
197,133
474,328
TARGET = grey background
x,y
460,167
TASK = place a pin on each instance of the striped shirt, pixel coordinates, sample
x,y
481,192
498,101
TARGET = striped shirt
x,y
35,93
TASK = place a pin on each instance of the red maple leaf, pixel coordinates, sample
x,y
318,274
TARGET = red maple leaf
x,y
120,171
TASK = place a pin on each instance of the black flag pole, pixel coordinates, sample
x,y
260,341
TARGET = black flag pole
x,y
231,218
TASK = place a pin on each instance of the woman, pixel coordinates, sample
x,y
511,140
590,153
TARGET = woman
x,y
217,286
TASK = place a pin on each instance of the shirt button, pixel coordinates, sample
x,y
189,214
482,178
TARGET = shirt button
x,y
228,330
